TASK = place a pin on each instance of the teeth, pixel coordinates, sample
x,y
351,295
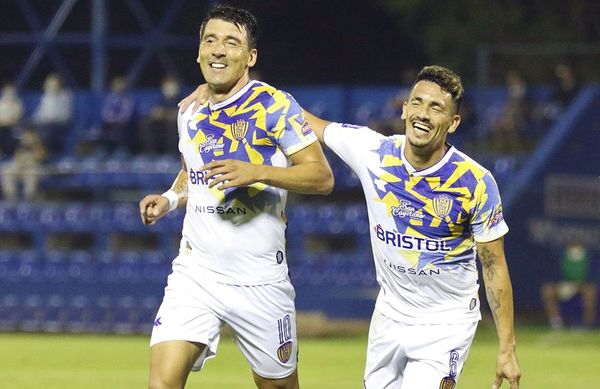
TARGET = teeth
x,y
421,127
217,65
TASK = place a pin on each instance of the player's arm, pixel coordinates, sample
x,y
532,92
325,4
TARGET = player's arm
x,y
499,295
309,174
155,206
317,124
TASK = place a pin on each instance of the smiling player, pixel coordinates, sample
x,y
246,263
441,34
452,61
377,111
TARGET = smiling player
x,y
432,209
231,269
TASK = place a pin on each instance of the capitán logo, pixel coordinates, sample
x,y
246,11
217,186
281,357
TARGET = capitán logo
x,y
442,205
239,129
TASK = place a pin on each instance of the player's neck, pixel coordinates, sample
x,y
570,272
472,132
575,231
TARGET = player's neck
x,y
218,95
422,158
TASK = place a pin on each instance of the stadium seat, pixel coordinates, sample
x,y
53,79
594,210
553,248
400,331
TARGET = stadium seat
x,y
10,312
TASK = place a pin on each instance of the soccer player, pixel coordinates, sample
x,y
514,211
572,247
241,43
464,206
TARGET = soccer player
x,y
236,171
432,209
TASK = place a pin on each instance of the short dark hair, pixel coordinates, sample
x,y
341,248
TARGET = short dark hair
x,y
242,18
447,80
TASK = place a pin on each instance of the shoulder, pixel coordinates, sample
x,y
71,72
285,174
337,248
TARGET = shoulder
x,y
360,135
470,164
265,92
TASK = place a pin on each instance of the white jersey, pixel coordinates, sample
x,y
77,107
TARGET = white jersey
x,y
423,225
238,235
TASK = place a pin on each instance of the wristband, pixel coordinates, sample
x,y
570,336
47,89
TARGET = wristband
x,y
173,199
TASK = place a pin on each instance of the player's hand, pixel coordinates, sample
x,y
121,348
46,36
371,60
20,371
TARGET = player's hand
x,y
507,367
153,207
196,98
230,173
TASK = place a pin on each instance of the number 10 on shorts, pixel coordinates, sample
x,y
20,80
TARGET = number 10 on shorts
x,y
284,326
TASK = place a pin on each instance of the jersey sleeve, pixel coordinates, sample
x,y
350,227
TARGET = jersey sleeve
x,y
289,129
487,222
350,142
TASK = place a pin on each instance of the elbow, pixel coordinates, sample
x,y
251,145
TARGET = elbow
x,y
328,183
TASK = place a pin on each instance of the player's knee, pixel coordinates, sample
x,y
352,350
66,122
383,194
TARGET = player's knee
x,y
158,382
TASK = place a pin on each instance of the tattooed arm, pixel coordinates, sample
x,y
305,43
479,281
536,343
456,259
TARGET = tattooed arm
x,y
500,299
155,206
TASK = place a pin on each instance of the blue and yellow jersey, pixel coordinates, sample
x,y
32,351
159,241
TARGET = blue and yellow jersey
x,y
238,233
424,224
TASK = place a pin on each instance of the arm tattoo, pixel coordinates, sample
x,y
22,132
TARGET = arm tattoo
x,y
487,258
493,298
180,184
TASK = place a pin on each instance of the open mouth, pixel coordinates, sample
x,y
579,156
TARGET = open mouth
x,y
217,65
421,126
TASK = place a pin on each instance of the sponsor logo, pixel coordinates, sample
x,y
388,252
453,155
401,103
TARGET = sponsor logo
x,y
406,209
410,242
197,177
220,210
210,144
157,322
346,125
496,218
442,205
411,270
239,129
306,129
447,383
279,256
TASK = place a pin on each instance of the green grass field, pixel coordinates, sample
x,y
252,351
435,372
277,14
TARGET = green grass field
x,y
549,360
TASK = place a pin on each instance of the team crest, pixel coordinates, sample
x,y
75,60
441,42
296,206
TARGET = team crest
x,y
284,352
447,383
442,205
239,129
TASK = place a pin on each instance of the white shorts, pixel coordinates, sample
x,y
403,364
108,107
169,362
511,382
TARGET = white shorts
x,y
403,356
263,319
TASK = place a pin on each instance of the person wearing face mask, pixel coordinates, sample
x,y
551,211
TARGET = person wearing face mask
x,y
155,135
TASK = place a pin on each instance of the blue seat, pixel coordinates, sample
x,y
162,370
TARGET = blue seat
x,y
10,312
8,218
79,314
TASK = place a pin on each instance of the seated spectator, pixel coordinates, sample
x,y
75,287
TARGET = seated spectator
x,y
565,86
158,131
507,130
574,280
11,112
53,115
26,166
114,132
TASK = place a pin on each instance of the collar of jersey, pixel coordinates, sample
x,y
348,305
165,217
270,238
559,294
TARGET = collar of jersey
x,y
232,98
412,171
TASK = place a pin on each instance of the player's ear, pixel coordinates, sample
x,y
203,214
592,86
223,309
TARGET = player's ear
x,y
403,117
252,58
455,123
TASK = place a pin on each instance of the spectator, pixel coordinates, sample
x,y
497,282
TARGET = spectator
x,y
565,87
506,134
11,112
158,131
113,132
574,280
26,166
53,115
